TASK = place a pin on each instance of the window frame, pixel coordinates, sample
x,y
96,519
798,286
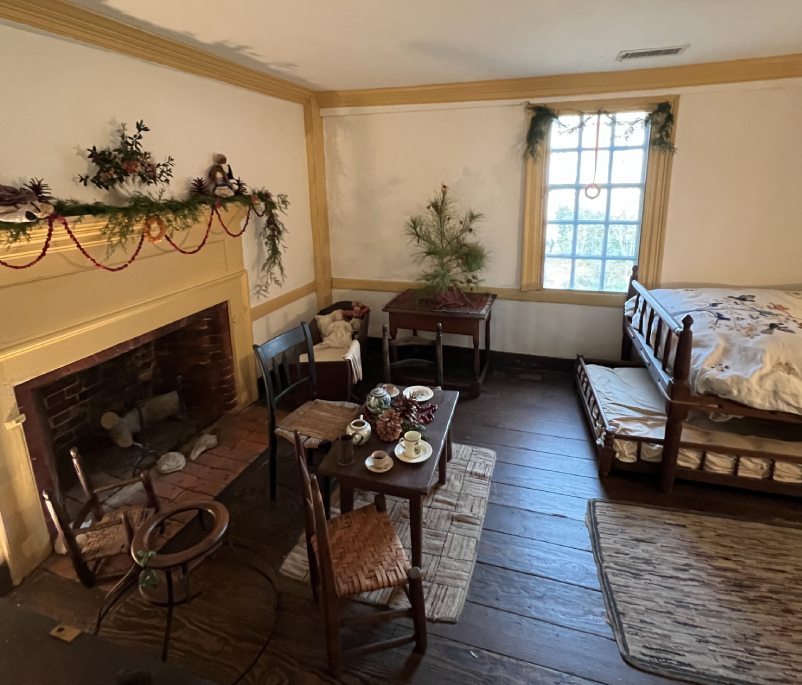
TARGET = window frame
x,y
653,217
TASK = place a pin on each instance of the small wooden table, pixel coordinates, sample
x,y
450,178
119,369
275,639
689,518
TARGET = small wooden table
x,y
409,481
410,313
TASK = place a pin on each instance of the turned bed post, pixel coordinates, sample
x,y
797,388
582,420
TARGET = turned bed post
x,y
679,392
626,343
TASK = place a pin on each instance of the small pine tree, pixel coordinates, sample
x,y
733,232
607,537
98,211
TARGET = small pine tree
x,y
446,246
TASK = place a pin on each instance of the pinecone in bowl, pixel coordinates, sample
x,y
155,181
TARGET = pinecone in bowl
x,y
388,425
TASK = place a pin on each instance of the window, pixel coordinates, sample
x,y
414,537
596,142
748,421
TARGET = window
x,y
596,202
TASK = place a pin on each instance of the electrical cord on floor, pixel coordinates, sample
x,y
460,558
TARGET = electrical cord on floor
x,y
277,606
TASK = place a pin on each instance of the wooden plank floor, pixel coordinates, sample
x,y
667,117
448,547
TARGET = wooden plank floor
x,y
534,612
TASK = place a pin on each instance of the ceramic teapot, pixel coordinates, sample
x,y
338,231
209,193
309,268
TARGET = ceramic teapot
x,y
378,400
360,429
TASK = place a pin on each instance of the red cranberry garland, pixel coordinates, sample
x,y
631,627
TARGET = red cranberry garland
x,y
216,211
46,246
93,260
202,243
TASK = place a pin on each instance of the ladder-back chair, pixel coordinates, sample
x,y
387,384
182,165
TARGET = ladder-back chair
x,y
108,534
390,349
354,553
320,422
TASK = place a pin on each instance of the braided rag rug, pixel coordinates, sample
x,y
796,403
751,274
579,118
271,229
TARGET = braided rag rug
x,y
453,515
704,598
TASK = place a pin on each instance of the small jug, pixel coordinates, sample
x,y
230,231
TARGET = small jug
x,y
360,429
346,456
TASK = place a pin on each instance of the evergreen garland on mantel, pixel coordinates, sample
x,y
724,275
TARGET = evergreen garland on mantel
x,y
661,120
133,223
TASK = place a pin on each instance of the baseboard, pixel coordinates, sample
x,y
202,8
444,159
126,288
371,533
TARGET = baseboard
x,y
513,360
6,585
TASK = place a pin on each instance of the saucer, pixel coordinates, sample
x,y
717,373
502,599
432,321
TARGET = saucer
x,y
425,453
371,467
419,393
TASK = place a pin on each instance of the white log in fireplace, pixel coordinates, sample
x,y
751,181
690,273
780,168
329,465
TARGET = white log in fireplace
x,y
64,311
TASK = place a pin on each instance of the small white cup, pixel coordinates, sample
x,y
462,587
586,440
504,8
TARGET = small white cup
x,y
412,444
390,388
380,459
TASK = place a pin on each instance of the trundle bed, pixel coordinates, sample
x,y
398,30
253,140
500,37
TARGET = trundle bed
x,y
723,408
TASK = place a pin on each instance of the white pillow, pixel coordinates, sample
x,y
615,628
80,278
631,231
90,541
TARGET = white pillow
x,y
326,321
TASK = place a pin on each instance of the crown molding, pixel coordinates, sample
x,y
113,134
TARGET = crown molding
x,y
568,85
78,23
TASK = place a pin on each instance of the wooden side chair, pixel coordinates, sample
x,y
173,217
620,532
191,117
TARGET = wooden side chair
x,y
108,533
320,422
353,553
390,349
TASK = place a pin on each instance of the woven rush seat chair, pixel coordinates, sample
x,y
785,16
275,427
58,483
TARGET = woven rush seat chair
x,y
320,422
390,348
109,534
354,553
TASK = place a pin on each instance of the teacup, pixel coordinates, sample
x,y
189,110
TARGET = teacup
x,y
380,459
390,388
412,444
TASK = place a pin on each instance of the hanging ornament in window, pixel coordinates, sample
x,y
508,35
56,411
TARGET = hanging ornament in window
x,y
592,190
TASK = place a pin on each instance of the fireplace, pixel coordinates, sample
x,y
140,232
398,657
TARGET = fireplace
x,y
63,408
64,318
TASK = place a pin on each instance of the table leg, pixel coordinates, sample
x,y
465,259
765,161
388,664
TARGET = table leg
x,y
449,445
416,529
487,338
443,462
168,574
346,498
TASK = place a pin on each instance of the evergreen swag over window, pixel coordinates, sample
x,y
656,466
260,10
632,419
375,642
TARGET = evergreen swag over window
x,y
661,120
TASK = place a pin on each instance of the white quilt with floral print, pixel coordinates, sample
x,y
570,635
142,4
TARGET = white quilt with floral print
x,y
747,344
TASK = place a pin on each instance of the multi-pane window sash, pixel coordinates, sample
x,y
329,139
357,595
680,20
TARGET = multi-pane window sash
x,y
592,243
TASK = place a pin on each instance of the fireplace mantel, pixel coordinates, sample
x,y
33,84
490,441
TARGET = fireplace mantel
x,y
64,309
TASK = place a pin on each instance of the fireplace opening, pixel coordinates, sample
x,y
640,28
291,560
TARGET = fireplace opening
x,y
165,386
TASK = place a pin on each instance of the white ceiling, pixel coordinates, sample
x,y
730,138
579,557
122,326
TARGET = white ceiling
x,y
344,44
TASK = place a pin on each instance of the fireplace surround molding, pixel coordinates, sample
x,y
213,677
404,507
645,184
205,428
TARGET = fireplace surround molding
x,y
64,310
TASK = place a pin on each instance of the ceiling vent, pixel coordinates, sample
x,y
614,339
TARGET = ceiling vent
x,y
651,52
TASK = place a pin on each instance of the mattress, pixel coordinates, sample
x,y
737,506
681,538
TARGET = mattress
x,y
634,407
747,344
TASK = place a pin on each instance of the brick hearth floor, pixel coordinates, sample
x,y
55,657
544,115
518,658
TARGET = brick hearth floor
x,y
241,438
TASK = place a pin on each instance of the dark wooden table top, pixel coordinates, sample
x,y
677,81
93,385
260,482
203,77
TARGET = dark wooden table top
x,y
402,479
31,656
407,302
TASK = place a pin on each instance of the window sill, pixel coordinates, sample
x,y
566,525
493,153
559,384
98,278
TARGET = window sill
x,y
584,297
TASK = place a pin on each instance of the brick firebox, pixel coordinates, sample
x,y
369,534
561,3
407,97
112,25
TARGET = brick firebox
x,y
63,407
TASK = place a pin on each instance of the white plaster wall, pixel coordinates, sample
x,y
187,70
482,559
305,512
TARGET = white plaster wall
x,y
63,96
284,319
732,215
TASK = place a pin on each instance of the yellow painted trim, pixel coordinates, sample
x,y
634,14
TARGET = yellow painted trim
x,y
558,296
318,202
71,21
270,306
566,85
655,205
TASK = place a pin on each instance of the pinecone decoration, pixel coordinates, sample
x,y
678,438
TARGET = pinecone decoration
x,y
388,425
198,187
406,408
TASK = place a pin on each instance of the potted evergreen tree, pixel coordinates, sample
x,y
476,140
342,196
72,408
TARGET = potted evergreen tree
x,y
447,248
